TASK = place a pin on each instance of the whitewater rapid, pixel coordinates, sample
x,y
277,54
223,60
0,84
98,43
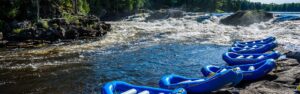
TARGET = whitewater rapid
x,y
135,32
187,29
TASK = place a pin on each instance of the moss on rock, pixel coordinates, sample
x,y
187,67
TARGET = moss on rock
x,y
17,30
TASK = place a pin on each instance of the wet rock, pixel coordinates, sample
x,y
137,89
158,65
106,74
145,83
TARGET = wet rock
x,y
26,34
72,34
245,18
203,18
85,32
51,35
294,55
106,27
59,21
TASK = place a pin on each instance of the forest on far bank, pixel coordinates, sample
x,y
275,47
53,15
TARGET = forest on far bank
x,y
113,7
35,9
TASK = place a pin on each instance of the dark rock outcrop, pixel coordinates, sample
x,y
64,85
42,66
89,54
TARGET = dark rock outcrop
x,y
295,55
245,18
55,29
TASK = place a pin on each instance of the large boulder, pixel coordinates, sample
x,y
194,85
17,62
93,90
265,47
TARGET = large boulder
x,y
245,18
294,55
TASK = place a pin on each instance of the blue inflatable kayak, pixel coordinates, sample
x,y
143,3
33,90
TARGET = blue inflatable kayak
x,y
262,41
252,45
119,87
232,58
204,85
250,71
283,18
247,50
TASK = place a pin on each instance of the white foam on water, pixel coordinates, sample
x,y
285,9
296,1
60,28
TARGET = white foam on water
x,y
136,33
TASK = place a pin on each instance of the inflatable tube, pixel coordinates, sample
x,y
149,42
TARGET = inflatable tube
x,y
232,58
261,49
286,18
249,71
248,46
119,87
255,42
202,85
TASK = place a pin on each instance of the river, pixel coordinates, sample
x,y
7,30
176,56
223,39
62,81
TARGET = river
x,y
136,51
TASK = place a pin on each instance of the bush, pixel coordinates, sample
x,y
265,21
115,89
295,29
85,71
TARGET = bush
x,y
219,11
44,24
17,30
84,7
13,13
69,17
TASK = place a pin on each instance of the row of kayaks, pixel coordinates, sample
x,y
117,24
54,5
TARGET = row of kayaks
x,y
250,63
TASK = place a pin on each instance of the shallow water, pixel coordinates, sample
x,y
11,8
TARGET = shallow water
x,y
136,51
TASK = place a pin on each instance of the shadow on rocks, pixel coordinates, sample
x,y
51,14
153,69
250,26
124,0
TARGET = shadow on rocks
x,y
244,84
294,55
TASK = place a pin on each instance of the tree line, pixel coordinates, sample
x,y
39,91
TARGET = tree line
x,y
33,9
194,5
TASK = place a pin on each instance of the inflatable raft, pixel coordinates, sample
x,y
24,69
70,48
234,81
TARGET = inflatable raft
x,y
202,85
119,87
249,50
232,58
262,41
253,45
250,71
283,18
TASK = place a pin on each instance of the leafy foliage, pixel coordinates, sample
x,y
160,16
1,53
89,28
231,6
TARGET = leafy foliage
x,y
27,9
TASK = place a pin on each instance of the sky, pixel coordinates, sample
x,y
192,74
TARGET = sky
x,y
276,1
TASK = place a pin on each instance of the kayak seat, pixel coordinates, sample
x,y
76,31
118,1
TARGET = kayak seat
x,y
260,57
144,92
250,57
189,81
130,91
239,57
251,68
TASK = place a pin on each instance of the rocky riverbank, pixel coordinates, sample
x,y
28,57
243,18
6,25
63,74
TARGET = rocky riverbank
x,y
282,80
45,31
